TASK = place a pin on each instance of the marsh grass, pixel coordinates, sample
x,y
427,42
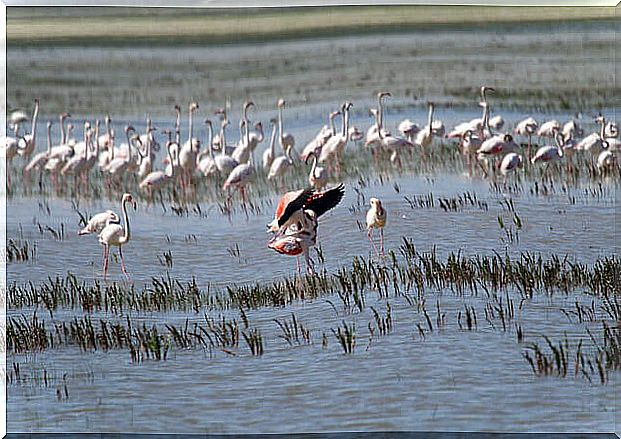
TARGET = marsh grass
x,y
20,251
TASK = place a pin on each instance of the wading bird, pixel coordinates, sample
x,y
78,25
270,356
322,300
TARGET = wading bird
x,y
97,223
376,219
113,234
296,221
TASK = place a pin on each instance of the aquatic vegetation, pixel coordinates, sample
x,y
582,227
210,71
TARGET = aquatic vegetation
x,y
20,251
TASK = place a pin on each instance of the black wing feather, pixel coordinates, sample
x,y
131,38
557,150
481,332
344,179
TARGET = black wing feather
x,y
326,201
294,206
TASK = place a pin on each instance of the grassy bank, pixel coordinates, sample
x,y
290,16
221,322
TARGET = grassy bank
x,y
28,26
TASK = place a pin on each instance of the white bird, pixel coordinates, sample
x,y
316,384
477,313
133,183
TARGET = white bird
x,y
547,129
113,234
40,159
285,139
318,176
268,154
527,128
510,163
158,179
549,154
594,142
190,149
281,165
606,160
77,164
224,163
373,137
334,147
572,129
97,223
376,219
242,174
120,165
30,140
424,138
145,162
206,163
500,143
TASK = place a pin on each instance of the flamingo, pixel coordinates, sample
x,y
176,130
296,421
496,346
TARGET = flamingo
x,y
119,166
242,174
470,144
224,163
40,159
334,147
321,138
376,219
572,129
113,234
594,143
145,166
605,161
190,149
424,138
510,163
30,140
205,161
296,221
318,176
395,145
268,154
373,137
104,139
61,153
281,165
78,163
97,222
499,144
527,128
158,179
548,129
285,139
611,130
548,153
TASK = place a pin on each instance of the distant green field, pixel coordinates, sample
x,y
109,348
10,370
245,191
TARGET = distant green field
x,y
86,25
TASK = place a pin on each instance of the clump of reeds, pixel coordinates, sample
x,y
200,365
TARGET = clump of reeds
x,y
20,251
254,340
383,324
346,336
293,331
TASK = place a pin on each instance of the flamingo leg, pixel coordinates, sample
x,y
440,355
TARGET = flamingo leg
x,y
297,260
123,263
106,254
369,233
310,269
382,241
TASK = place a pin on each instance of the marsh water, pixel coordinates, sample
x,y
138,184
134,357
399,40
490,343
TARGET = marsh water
x,y
451,380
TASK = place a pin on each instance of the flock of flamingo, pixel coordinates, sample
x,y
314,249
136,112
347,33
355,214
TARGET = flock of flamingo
x,y
295,223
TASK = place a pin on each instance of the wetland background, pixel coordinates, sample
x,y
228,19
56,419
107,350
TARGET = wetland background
x,y
378,348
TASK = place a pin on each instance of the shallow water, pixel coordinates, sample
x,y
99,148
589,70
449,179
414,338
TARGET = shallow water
x,y
452,380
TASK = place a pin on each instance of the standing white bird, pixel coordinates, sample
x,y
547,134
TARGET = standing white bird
x,y
270,152
549,154
224,162
548,129
189,150
40,159
242,174
605,161
97,223
113,234
510,163
145,163
333,148
285,139
30,140
158,179
594,142
424,138
281,165
527,128
205,161
373,137
376,219
318,176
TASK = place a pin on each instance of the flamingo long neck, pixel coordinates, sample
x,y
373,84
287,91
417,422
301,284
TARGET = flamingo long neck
x,y
248,142
314,168
127,233
346,117
97,139
210,131
129,146
190,118
332,127
223,138
288,155
344,123
107,122
49,138
178,126
430,118
273,140
85,143
602,129
63,133
380,108
280,125
170,157
35,117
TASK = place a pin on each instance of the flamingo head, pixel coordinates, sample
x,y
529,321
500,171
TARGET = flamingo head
x,y
281,103
507,138
128,198
375,202
383,94
193,106
129,128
